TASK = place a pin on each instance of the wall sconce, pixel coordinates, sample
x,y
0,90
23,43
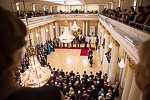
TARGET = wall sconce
x,y
101,30
37,35
46,30
104,36
121,64
110,45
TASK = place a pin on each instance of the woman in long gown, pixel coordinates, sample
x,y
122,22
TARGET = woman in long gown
x,y
49,50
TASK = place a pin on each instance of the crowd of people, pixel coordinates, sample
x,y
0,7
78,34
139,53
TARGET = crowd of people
x,y
74,86
139,19
30,14
85,87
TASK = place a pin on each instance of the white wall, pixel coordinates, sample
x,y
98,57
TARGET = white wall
x,y
101,8
93,7
62,8
76,7
54,9
39,7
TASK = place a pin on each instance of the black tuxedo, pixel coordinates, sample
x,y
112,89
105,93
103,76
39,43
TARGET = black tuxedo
x,y
54,44
72,44
115,92
62,73
92,76
72,74
89,84
63,44
57,44
91,62
85,46
90,52
94,94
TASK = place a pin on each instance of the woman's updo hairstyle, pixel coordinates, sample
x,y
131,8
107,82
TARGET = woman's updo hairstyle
x,y
12,37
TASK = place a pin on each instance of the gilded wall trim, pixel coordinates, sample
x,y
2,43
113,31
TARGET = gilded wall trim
x,y
131,63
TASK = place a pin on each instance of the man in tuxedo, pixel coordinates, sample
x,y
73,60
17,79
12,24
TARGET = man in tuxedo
x,y
63,45
99,74
96,44
92,76
79,43
89,82
57,43
94,93
72,73
72,44
85,46
54,44
90,51
49,66
91,62
115,90
50,42
62,73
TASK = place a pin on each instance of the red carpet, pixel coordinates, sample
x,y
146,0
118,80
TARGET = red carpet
x,y
84,52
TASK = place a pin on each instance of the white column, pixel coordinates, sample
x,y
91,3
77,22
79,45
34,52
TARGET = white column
x,y
128,83
57,29
51,32
85,8
86,33
43,34
101,47
83,30
70,27
102,35
69,8
51,9
124,73
134,93
113,62
107,41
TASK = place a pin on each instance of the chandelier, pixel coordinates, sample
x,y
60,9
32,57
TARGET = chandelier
x,y
35,76
75,27
66,37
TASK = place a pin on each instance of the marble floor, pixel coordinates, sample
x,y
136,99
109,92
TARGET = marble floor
x,y
70,59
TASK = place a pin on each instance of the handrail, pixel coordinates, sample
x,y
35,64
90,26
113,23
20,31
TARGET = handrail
x,y
119,30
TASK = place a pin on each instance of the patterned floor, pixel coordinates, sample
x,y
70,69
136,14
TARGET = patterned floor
x,y
70,59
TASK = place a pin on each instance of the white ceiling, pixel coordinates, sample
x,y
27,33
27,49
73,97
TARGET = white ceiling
x,y
68,2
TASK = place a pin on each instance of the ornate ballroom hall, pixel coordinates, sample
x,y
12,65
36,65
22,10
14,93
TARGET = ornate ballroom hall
x,y
82,41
